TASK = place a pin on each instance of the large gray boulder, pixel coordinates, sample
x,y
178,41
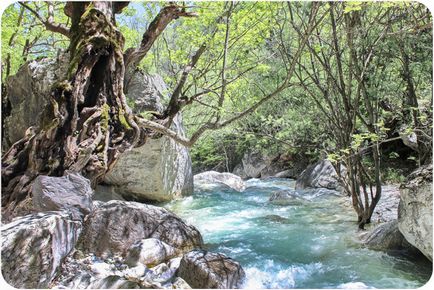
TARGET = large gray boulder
x,y
386,237
159,170
208,179
70,192
320,175
115,226
28,92
146,91
415,220
254,163
34,246
206,270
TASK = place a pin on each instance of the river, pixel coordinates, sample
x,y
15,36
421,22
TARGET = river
x,y
310,243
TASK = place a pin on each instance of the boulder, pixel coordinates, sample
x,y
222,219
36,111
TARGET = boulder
x,y
386,237
202,269
285,197
415,220
159,170
149,252
34,246
115,226
28,91
239,171
254,163
146,91
202,180
320,175
70,192
289,173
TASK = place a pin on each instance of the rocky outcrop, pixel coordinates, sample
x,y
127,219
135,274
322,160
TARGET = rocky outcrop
x,y
320,175
415,220
70,192
206,180
149,252
206,270
28,91
34,246
113,227
159,170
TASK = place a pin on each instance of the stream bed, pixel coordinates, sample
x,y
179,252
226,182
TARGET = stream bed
x,y
310,243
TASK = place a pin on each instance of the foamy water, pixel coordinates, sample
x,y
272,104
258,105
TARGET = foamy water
x,y
308,244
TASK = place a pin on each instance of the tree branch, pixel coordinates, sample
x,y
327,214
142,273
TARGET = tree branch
x,y
49,22
168,13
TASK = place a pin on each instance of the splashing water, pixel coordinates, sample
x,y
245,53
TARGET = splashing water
x,y
308,244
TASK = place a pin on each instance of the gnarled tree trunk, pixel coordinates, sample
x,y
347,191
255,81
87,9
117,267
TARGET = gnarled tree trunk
x,y
87,122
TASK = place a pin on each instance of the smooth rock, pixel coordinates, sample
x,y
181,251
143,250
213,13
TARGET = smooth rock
x,y
320,175
159,170
70,192
146,91
386,237
113,227
289,173
202,269
209,177
149,252
34,246
415,220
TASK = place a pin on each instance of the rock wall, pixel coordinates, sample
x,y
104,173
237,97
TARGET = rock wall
x,y
415,212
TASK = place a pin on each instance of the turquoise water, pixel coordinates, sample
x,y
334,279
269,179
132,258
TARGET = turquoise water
x,y
308,244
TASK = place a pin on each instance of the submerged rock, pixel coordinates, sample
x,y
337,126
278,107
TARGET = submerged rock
x,y
34,246
149,252
202,269
415,220
202,180
113,227
285,197
70,192
320,175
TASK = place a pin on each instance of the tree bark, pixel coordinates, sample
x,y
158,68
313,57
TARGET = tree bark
x,y
87,122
